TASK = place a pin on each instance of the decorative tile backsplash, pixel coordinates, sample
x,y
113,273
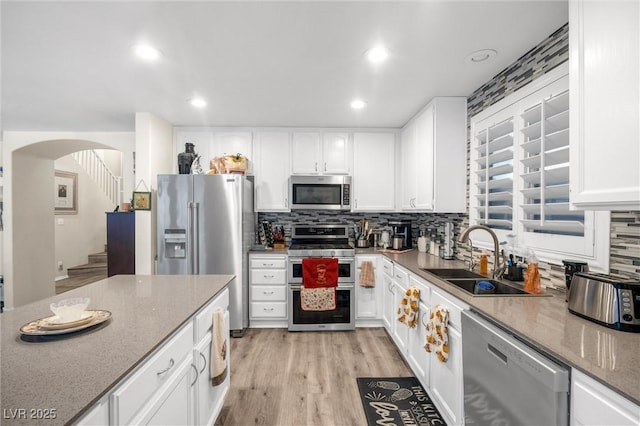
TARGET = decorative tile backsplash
x,y
430,223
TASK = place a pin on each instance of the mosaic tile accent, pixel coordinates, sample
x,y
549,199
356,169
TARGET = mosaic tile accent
x,y
625,244
431,223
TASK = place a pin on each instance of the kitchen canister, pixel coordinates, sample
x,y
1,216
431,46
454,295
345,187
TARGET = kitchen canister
x,y
422,244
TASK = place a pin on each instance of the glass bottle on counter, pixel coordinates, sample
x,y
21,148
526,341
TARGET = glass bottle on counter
x,y
484,264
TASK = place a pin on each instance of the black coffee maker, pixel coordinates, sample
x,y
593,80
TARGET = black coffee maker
x,y
570,268
402,228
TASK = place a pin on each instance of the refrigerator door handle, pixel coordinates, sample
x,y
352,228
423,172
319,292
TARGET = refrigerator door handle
x,y
195,238
190,240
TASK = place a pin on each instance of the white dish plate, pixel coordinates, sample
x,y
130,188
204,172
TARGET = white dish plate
x,y
42,326
54,323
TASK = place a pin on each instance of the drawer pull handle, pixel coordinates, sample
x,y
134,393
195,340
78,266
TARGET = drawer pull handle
x,y
422,320
267,264
267,293
171,362
269,276
268,309
204,358
196,370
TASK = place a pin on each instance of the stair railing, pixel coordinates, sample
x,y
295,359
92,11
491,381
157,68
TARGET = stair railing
x,y
99,172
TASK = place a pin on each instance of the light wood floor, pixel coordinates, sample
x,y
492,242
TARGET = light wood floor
x,y
305,378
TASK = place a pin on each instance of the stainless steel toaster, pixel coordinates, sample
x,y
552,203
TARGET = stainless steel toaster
x,y
609,300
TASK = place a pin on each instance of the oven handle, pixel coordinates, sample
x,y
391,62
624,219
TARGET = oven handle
x,y
341,286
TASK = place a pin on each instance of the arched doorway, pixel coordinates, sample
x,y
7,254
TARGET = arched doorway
x,y
29,234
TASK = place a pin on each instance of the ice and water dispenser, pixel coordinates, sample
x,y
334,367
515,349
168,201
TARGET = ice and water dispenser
x,y
175,243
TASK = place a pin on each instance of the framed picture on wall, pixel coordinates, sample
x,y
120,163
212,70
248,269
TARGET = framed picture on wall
x,y
142,201
65,192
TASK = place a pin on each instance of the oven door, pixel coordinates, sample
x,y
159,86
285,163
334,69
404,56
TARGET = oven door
x,y
346,270
339,319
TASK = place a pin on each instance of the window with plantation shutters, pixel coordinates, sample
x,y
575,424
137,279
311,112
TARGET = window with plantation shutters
x,y
494,174
545,169
519,176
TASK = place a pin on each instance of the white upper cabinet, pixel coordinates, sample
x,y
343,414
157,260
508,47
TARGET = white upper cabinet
x,y
211,143
433,158
316,153
271,152
231,143
306,151
605,104
336,150
373,172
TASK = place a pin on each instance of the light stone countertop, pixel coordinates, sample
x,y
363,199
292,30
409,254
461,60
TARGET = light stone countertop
x,y
146,310
610,356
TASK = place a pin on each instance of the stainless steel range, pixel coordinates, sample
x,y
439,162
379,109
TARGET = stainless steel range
x,y
314,241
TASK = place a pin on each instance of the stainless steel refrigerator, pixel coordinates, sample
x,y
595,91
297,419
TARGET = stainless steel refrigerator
x,y
206,225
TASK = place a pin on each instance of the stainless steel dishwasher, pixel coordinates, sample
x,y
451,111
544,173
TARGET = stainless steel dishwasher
x,y
506,382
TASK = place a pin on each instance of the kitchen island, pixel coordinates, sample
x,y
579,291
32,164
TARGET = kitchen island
x,y
609,356
54,380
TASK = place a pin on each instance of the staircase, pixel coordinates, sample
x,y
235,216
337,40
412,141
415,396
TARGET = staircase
x,y
97,266
88,273
110,184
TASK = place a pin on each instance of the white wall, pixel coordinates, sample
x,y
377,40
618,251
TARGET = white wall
x,y
154,156
34,240
84,233
28,240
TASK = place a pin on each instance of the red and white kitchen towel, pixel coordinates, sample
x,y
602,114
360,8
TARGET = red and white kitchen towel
x,y
319,282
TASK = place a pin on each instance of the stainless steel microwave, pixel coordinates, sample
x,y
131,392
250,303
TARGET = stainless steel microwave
x,y
320,192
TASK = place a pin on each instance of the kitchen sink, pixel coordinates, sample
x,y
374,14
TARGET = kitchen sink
x,y
499,288
453,273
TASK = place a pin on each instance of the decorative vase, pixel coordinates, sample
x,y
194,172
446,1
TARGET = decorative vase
x,y
185,159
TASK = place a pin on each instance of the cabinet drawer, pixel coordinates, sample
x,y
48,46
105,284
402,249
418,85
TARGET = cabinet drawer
x,y
387,266
401,277
204,320
131,396
268,309
269,293
269,262
454,306
268,276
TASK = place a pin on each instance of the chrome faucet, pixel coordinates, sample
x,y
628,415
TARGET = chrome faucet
x,y
496,245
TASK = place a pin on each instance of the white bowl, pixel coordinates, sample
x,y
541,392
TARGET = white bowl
x,y
69,310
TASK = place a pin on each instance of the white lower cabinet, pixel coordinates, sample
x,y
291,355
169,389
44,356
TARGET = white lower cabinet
x,y
592,403
388,307
442,380
173,405
173,386
400,331
209,399
267,290
98,415
419,359
368,299
446,377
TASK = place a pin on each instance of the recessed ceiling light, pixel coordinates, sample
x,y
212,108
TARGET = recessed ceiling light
x,y
377,54
146,52
198,102
483,55
358,104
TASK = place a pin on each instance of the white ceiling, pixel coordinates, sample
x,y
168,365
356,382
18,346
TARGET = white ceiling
x,y
67,66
